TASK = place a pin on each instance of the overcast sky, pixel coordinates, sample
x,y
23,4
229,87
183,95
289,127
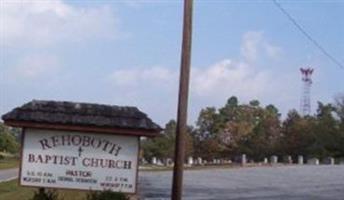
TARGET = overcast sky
x,y
128,53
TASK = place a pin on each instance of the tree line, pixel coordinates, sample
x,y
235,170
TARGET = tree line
x,y
257,131
9,139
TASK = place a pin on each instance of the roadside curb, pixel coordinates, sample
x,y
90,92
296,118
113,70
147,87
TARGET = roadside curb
x,y
8,179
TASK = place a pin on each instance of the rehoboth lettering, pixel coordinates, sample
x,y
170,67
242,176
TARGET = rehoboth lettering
x,y
82,141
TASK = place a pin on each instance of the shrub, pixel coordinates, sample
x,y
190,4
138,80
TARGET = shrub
x,y
106,195
41,194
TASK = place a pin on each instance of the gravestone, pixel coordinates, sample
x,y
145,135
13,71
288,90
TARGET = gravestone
x,y
288,159
300,160
228,161
154,161
313,161
243,159
274,159
159,162
144,161
265,161
199,161
190,161
329,161
169,162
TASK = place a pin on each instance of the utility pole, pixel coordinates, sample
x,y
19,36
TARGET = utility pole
x,y
181,128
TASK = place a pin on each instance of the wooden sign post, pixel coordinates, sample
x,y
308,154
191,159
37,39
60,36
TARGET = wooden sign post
x,y
177,184
80,146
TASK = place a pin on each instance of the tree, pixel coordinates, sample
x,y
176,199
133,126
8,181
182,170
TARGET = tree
x,y
264,138
8,141
228,112
328,137
272,110
236,129
317,136
257,131
339,107
339,110
297,134
254,103
162,146
207,123
206,136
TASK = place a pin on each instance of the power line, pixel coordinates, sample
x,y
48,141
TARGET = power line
x,y
307,35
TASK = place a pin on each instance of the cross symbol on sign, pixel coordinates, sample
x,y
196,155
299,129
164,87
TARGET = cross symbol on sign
x,y
80,150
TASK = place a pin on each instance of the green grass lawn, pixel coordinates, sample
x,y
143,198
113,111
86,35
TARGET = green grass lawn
x,y
11,191
8,163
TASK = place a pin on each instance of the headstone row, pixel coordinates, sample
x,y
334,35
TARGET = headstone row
x,y
243,161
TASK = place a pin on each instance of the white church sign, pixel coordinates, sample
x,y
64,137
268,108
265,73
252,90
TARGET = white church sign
x,y
83,146
79,160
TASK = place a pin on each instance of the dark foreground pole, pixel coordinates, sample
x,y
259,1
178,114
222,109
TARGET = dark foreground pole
x,y
177,185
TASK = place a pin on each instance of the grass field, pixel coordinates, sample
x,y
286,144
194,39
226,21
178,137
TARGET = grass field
x,y
11,191
8,163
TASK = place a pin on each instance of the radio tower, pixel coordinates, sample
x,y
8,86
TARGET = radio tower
x,y
305,106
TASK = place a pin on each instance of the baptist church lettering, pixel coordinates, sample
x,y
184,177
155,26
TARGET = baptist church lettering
x,y
82,141
85,162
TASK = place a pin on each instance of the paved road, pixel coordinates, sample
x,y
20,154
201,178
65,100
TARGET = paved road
x,y
8,174
259,183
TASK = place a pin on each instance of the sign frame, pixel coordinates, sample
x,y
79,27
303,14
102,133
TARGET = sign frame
x,y
23,136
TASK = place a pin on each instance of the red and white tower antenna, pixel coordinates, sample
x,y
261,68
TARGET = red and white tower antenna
x,y
305,106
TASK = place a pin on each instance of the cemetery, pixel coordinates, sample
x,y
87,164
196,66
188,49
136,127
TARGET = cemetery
x,y
274,160
75,153
82,79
